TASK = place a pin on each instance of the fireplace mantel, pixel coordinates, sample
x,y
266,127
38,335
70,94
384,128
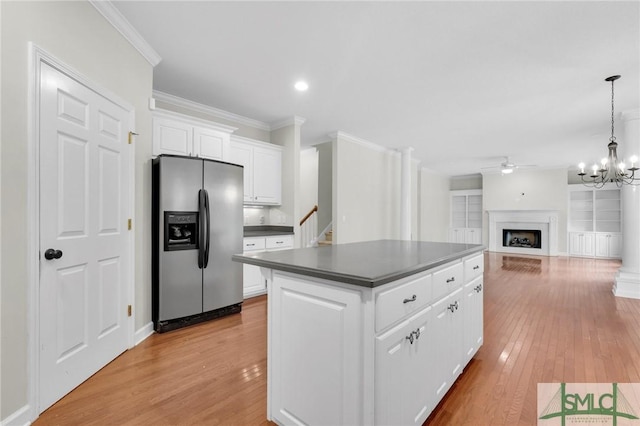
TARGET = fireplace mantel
x,y
544,220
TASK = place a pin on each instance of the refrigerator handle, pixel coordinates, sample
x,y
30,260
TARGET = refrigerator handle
x,y
201,234
208,223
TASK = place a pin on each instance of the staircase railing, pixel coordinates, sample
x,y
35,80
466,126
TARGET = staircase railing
x,y
309,227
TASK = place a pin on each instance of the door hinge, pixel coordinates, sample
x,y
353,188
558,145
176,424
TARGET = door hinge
x,y
130,137
128,310
129,224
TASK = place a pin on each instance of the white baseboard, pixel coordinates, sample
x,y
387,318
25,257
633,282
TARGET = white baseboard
x,y
143,333
19,418
627,284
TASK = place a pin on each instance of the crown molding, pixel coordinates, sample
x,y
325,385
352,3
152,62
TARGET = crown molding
x,y
209,110
363,142
165,113
290,121
120,23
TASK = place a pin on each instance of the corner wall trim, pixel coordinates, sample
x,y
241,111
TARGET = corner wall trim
x,y
142,333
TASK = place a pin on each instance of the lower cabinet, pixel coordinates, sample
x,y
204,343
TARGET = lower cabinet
x,y
405,359
350,355
608,244
253,283
465,235
596,244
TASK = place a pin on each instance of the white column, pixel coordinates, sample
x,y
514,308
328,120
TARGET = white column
x,y
405,193
627,281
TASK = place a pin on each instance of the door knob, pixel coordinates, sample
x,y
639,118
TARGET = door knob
x,y
52,254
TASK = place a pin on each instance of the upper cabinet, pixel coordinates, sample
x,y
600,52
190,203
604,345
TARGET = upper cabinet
x,y
262,170
180,135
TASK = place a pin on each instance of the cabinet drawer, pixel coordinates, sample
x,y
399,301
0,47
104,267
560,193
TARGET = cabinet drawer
x,y
253,244
473,267
446,280
398,302
279,242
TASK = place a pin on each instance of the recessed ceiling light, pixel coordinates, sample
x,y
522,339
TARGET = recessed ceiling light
x,y
301,86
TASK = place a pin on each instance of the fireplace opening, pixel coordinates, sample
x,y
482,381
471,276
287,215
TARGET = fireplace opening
x,y
525,238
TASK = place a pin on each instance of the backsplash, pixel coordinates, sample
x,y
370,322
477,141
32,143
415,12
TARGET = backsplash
x,y
264,216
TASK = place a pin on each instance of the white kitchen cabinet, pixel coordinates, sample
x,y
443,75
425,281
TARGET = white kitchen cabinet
x,y
253,283
608,245
405,359
380,356
466,216
595,221
262,170
448,325
473,318
319,375
176,134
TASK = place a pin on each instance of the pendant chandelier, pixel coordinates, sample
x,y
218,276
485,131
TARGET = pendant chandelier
x,y
610,168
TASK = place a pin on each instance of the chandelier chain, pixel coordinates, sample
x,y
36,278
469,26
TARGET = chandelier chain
x,y
612,138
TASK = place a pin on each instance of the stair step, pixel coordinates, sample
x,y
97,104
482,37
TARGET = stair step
x,y
328,235
325,243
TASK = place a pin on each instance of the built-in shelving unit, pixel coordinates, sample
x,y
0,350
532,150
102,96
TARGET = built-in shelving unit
x,y
466,216
595,222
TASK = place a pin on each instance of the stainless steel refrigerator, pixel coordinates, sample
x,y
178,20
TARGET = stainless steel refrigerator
x,y
197,226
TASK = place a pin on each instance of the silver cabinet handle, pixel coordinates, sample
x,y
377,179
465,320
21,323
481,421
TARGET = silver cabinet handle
x,y
476,267
413,299
450,280
410,338
417,333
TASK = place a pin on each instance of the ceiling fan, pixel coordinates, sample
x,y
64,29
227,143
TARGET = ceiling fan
x,y
507,166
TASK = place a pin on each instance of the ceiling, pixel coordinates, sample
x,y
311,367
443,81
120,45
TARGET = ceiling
x,y
463,83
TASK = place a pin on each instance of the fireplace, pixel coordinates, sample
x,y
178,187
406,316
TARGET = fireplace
x,y
527,238
524,231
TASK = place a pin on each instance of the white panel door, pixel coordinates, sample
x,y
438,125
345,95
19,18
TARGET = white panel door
x,y
84,246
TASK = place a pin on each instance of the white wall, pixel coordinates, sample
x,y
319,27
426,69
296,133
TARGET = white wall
x,y
79,36
434,206
366,191
528,190
288,136
325,186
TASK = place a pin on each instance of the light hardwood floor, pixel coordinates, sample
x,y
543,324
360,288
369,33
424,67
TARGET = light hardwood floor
x,y
546,320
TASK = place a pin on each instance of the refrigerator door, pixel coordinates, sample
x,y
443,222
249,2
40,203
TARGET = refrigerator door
x,y
180,279
222,278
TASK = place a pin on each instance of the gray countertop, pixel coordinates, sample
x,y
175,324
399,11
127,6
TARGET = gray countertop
x,y
267,230
367,264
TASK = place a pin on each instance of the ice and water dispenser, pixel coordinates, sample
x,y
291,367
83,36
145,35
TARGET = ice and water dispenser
x,y
180,231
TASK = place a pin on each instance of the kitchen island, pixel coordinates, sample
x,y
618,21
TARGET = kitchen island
x,y
368,333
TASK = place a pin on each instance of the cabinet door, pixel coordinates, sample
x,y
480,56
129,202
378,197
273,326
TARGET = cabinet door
x,y
456,235
326,360
267,175
473,236
448,338
404,372
473,318
242,154
209,143
615,246
253,281
602,245
172,137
